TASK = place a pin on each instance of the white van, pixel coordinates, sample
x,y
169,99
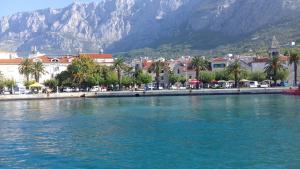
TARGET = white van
x,y
253,84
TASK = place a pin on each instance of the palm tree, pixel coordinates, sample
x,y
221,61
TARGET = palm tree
x,y
199,64
272,67
235,68
38,70
294,58
26,68
157,67
119,65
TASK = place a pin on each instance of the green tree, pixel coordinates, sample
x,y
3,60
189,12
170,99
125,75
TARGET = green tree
x,y
81,69
157,67
199,64
282,74
143,78
236,70
182,80
94,80
26,68
28,83
272,67
258,76
207,77
65,79
111,78
119,65
127,81
294,58
2,84
222,75
52,84
173,78
38,70
9,83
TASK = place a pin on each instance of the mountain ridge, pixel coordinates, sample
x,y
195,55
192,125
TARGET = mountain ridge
x,y
124,25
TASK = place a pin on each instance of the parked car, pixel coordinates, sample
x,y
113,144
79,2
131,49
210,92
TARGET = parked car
x,y
253,84
67,89
215,86
284,84
174,87
95,89
103,89
206,85
182,88
263,85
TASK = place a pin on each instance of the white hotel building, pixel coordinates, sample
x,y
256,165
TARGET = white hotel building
x,y
10,62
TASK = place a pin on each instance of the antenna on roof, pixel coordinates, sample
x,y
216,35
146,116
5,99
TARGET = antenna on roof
x,y
101,51
78,51
33,50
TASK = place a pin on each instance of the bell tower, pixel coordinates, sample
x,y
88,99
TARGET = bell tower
x,y
274,48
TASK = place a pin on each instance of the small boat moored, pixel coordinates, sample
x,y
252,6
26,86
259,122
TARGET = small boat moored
x,y
292,91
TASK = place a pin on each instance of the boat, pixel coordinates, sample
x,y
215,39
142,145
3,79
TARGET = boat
x,y
292,91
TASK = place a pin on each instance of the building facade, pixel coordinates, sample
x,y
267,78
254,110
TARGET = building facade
x,y
9,67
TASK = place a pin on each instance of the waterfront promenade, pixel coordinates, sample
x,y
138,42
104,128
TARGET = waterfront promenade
x,y
144,93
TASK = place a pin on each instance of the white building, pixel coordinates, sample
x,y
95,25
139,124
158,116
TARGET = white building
x,y
219,63
9,67
8,55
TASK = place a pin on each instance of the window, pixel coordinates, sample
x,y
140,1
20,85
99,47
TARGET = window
x,y
56,69
162,78
54,60
221,65
162,71
178,71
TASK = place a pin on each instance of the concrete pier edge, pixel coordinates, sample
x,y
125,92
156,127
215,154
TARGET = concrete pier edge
x,y
151,93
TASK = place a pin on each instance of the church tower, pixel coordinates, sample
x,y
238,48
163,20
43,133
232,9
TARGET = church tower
x,y
274,48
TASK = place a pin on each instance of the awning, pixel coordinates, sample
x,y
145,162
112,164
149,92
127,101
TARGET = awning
x,y
36,85
194,81
244,80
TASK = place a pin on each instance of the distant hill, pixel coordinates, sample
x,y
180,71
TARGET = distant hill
x,y
171,27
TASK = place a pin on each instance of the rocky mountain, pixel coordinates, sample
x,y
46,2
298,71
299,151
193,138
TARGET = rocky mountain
x,y
123,25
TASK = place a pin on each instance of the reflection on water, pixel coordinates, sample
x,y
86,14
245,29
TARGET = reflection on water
x,y
156,132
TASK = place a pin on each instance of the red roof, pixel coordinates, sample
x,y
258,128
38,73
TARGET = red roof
x,y
219,60
63,59
283,58
265,59
260,60
147,64
11,61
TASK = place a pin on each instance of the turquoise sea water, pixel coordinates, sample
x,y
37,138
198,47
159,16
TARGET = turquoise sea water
x,y
205,132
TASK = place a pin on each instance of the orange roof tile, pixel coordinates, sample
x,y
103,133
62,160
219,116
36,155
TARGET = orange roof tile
x,y
11,61
283,58
219,60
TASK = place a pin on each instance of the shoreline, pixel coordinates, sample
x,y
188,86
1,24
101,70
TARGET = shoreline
x,y
150,93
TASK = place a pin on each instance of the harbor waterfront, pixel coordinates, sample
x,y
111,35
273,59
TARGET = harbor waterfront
x,y
278,90
208,132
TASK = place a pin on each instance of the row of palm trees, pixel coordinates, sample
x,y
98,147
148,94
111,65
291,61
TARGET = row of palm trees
x,y
272,67
29,68
294,59
36,69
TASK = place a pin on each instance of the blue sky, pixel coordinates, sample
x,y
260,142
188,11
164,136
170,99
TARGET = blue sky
x,y
9,7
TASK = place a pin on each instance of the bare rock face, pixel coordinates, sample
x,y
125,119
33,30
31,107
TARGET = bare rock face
x,y
121,25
